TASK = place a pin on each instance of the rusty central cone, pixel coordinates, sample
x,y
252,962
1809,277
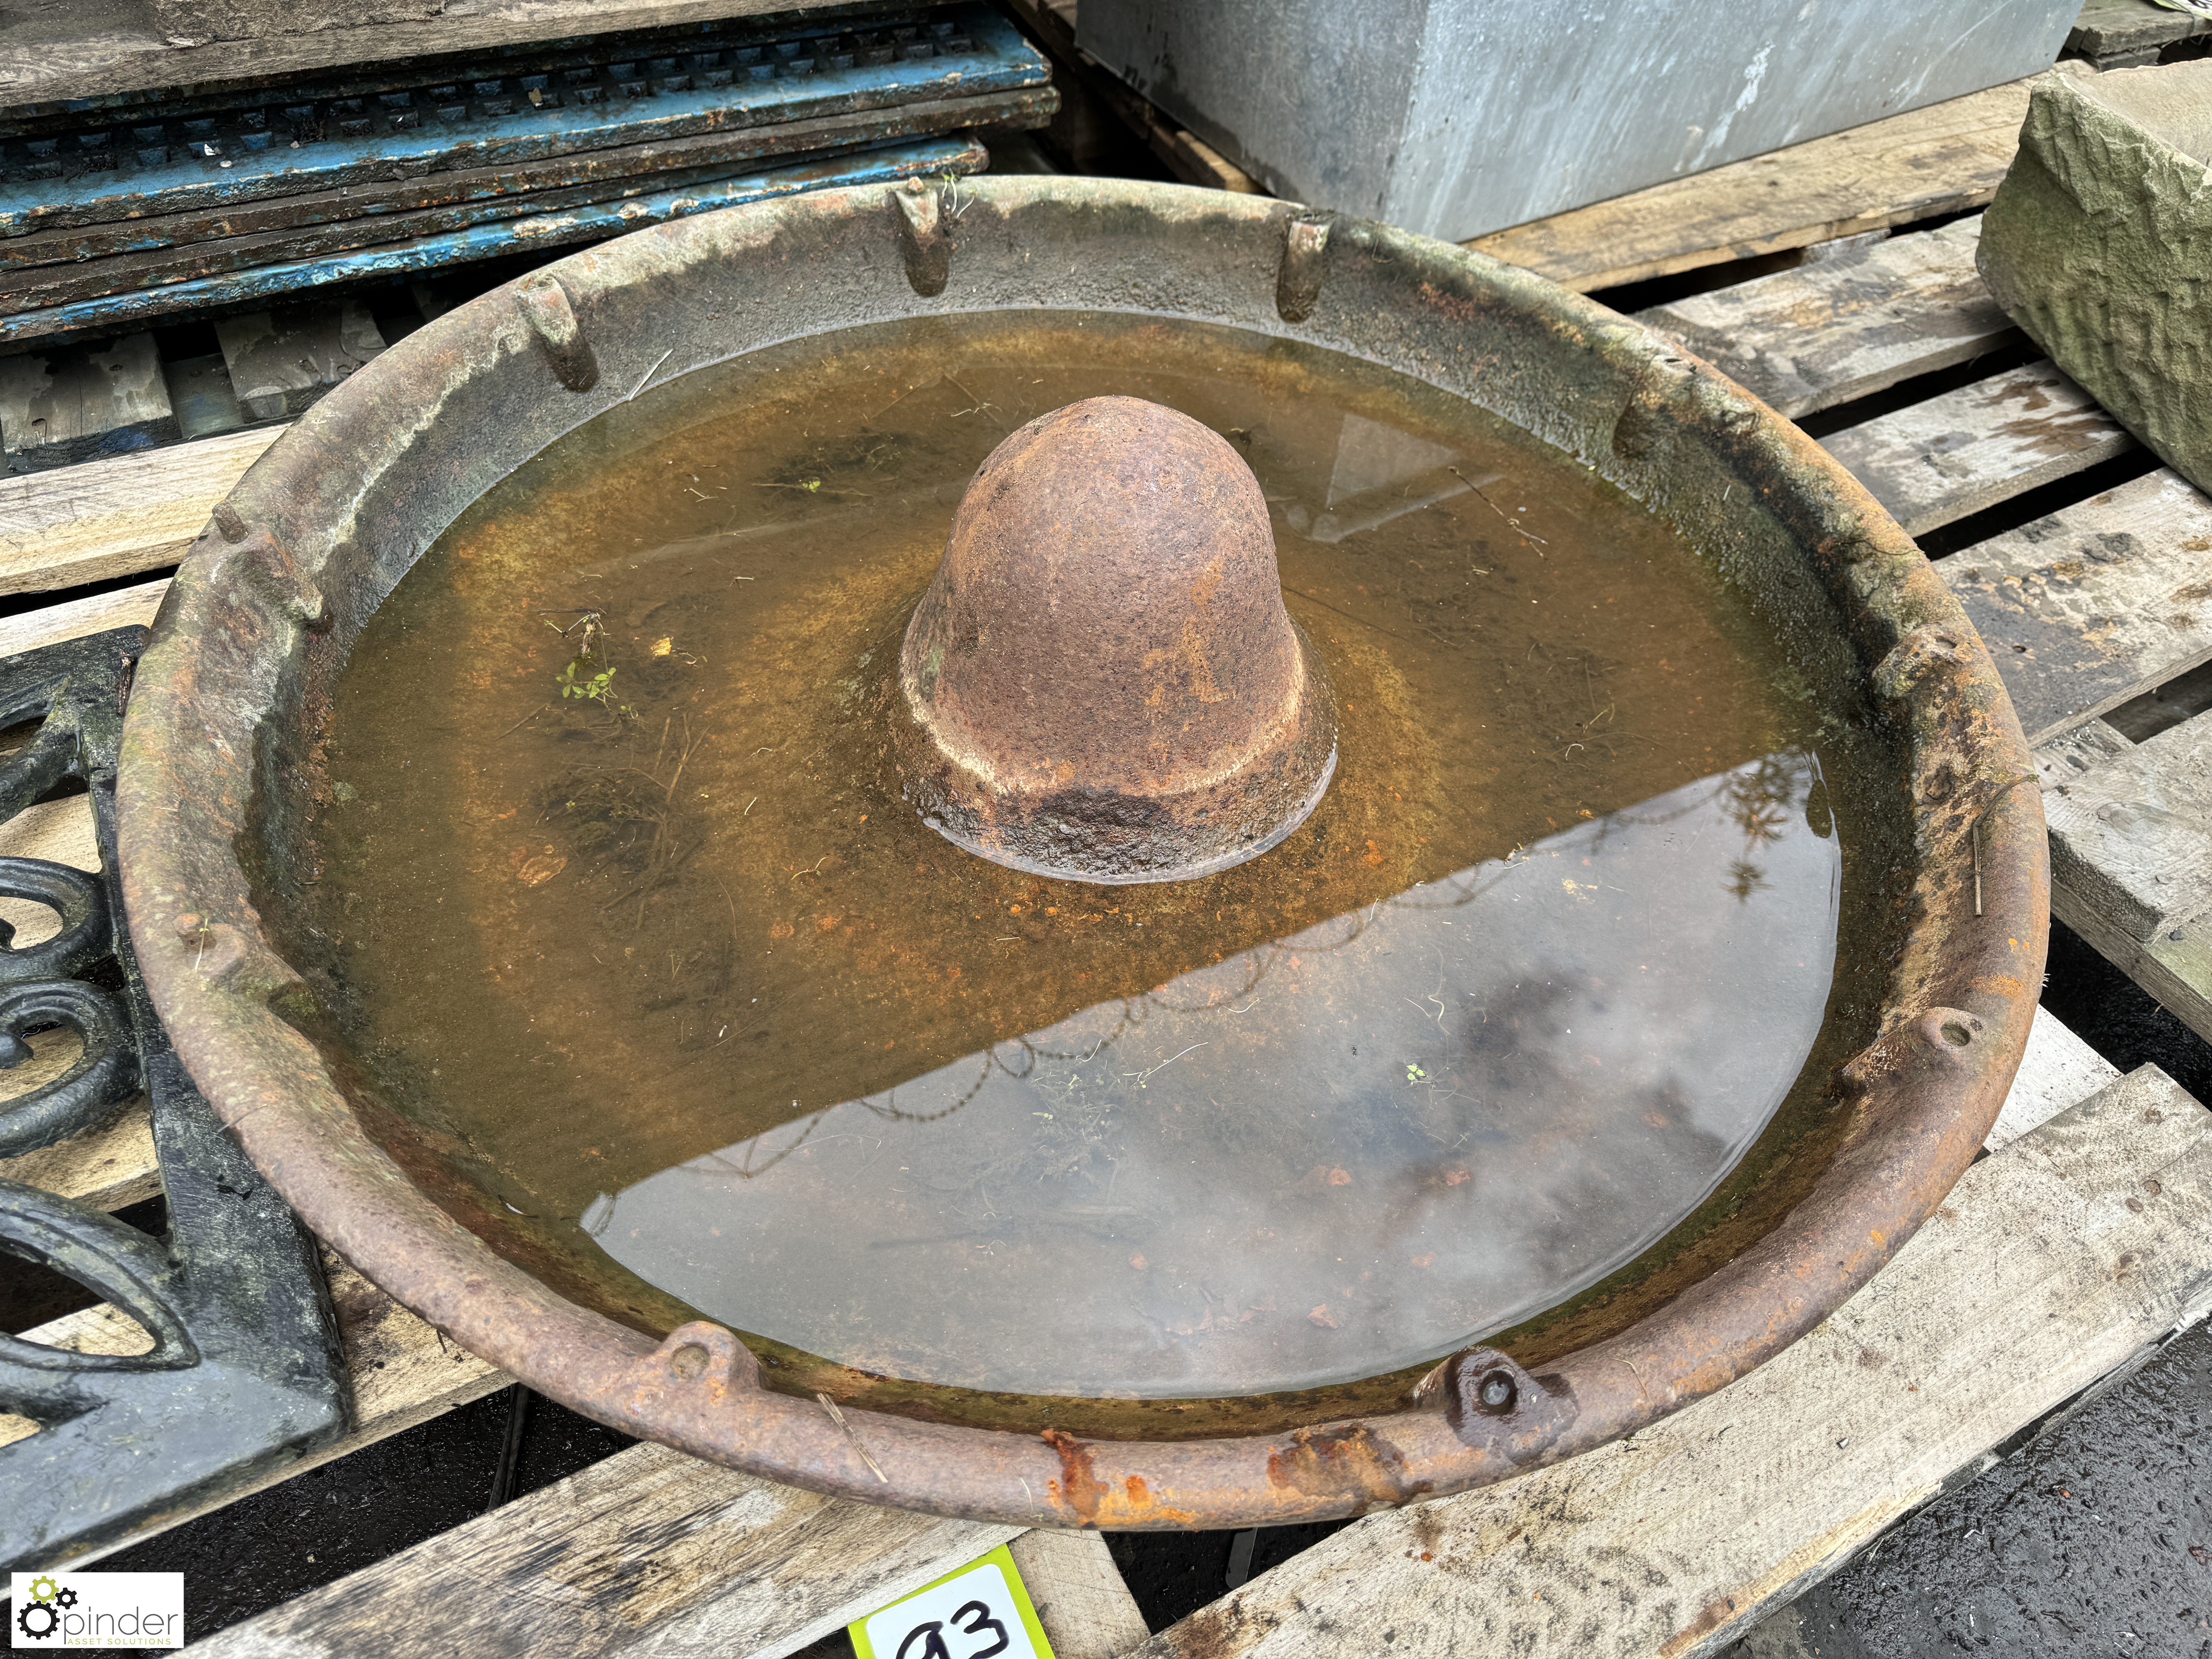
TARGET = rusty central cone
x,y
1101,683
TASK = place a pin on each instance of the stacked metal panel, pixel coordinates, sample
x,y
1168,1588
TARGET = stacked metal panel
x,y
155,207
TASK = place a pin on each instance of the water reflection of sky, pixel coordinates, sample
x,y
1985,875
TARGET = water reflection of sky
x,y
1343,1152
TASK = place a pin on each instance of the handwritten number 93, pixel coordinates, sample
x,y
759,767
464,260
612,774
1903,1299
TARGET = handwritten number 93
x,y
931,1636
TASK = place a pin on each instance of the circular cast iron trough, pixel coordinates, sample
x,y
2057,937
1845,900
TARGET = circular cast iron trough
x,y
219,758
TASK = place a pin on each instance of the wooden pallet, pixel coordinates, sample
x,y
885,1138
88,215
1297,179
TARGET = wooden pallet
x,y
2098,615
1673,1543
101,48
1943,159
1092,94
2070,1252
2125,33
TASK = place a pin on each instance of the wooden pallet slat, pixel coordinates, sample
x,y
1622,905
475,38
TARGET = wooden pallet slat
x,y
98,519
648,1551
1086,1610
2054,1263
2175,966
1943,159
76,403
74,618
2096,604
1051,23
2133,839
86,50
2121,33
1935,462
109,1168
2131,856
2059,1071
1823,334
2077,751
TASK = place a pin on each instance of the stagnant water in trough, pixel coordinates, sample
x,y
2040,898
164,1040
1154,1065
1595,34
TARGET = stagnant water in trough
x,y
631,918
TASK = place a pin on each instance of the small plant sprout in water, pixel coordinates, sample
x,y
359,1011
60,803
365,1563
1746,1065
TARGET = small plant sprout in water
x,y
1414,1073
594,688
583,678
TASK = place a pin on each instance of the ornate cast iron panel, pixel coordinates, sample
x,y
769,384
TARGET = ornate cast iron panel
x,y
245,1369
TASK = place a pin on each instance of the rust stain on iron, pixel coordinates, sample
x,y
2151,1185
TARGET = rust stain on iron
x,y
1077,1488
1351,1462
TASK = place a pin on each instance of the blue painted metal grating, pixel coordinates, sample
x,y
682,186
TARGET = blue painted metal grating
x,y
59,173
423,254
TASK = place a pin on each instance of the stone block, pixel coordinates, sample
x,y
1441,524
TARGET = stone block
x,y
2098,244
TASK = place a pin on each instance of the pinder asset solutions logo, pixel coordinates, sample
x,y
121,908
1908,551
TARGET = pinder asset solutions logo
x,y
97,1610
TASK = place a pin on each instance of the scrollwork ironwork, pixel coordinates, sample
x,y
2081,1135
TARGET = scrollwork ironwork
x,y
243,1370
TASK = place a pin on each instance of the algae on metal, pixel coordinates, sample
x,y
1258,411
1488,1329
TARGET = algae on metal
x,y
2100,242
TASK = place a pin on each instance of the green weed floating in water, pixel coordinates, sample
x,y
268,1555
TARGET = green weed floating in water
x,y
598,688
595,689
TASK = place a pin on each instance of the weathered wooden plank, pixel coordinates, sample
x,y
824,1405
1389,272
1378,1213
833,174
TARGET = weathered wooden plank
x,y
2096,604
649,1552
76,404
1946,158
2133,837
2057,1070
61,830
1846,326
2129,851
1086,1610
1051,23
108,1168
652,1551
73,619
102,1329
1957,454
282,360
86,524
2174,965
2168,704
2116,34
2078,751
1194,161
2053,1263
91,47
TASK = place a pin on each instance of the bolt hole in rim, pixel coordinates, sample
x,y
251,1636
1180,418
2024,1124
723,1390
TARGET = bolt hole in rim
x,y
219,753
